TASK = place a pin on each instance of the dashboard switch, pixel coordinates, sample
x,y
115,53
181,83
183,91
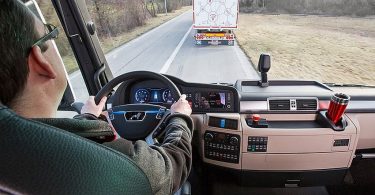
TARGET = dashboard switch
x,y
256,118
233,141
257,144
222,123
257,122
208,137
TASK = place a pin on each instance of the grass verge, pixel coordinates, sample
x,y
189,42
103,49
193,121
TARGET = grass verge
x,y
326,49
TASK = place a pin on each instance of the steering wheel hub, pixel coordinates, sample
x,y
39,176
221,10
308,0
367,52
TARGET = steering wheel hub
x,y
136,121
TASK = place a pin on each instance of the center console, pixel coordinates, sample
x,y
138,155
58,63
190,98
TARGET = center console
x,y
291,150
221,140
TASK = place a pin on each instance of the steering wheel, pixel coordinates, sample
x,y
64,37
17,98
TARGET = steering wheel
x,y
138,121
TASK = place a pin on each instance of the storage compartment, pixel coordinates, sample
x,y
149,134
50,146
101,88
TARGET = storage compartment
x,y
321,121
292,178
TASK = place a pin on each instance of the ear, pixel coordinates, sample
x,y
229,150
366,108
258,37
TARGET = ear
x,y
39,64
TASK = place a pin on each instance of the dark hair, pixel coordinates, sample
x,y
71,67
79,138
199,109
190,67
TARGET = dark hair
x,y
17,35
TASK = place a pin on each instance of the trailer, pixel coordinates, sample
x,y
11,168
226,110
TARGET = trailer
x,y
214,21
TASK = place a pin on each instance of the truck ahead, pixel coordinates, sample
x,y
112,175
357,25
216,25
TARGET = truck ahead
x,y
214,21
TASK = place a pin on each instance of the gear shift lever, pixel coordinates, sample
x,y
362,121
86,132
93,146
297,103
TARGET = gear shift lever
x,y
264,66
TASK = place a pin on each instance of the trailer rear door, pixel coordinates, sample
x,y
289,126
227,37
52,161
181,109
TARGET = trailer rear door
x,y
215,14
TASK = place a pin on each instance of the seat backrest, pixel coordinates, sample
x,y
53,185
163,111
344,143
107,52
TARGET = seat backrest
x,y
39,159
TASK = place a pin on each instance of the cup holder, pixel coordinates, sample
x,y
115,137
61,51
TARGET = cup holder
x,y
326,122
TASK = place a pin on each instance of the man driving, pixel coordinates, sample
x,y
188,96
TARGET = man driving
x,y
32,82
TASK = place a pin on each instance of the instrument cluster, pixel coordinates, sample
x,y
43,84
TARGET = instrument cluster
x,y
153,95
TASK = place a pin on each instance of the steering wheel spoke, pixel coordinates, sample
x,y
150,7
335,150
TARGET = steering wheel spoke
x,y
152,138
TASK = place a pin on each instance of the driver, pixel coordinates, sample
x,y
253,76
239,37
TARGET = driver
x,y
32,82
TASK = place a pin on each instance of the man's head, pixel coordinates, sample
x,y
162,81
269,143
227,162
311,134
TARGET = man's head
x,y
29,72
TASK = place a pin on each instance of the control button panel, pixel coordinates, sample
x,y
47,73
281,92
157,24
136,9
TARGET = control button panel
x,y
223,147
257,144
223,123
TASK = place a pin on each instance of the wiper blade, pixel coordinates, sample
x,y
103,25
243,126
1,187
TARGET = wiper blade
x,y
348,85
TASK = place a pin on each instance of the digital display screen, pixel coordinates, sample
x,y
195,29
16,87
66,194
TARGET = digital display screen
x,y
156,96
212,100
153,95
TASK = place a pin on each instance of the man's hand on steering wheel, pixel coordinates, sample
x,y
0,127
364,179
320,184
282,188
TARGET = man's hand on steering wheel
x,y
181,106
90,106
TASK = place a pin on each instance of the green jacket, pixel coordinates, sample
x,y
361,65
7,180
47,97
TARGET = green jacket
x,y
167,166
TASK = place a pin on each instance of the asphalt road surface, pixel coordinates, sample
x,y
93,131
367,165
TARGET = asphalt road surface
x,y
170,49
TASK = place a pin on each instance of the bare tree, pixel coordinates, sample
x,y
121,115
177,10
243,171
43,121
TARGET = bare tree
x,y
151,11
101,19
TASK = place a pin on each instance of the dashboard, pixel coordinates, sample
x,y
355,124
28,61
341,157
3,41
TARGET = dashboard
x,y
199,100
203,98
289,138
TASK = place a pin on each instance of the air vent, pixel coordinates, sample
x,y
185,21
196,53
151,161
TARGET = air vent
x,y
282,104
307,104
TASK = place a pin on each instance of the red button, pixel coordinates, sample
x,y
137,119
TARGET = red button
x,y
256,117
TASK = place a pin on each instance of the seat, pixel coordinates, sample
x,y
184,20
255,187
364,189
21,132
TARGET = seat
x,y
39,159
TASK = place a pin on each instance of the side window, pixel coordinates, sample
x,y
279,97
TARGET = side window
x,y
45,10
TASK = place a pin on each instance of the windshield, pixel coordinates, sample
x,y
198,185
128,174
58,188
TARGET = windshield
x,y
218,41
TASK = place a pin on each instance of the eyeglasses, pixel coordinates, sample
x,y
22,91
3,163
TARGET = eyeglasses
x,y
53,33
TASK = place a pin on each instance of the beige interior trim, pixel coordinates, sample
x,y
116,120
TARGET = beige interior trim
x,y
288,149
365,122
294,162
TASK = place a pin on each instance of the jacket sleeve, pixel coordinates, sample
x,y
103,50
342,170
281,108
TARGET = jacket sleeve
x,y
167,166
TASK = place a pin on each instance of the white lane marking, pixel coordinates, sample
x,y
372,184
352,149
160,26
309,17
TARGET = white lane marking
x,y
115,51
168,63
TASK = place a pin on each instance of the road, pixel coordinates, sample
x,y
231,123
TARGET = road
x,y
170,49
